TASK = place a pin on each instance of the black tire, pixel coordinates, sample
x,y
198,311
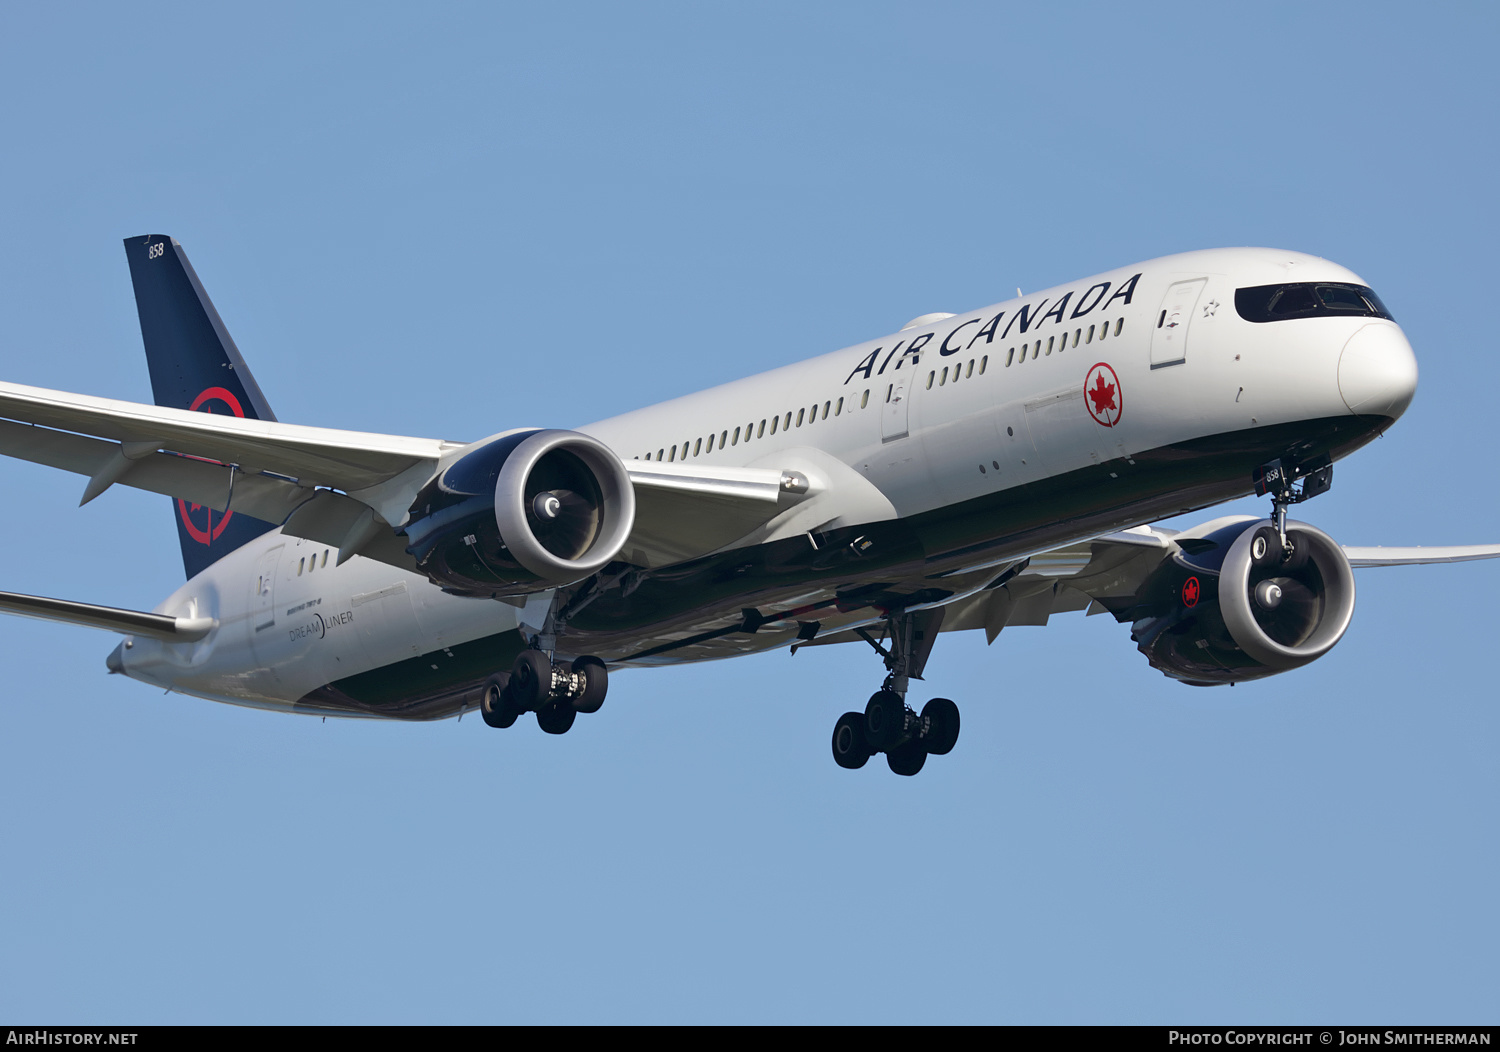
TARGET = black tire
x,y
556,718
495,706
596,683
943,734
850,750
1265,548
531,680
907,759
885,720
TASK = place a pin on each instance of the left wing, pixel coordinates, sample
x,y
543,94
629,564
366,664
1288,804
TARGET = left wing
x,y
348,489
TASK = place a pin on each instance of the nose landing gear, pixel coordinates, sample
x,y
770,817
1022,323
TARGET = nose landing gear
x,y
1276,479
888,724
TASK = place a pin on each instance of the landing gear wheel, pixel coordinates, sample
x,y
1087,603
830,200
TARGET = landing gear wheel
x,y
595,683
907,759
556,718
850,750
494,702
885,720
943,734
1265,548
531,681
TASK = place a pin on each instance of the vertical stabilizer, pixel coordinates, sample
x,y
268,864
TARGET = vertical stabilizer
x,y
194,365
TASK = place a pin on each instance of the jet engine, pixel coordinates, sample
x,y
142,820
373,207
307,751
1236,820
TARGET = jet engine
x,y
522,512
1235,605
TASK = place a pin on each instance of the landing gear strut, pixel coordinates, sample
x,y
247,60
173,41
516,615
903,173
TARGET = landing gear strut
x,y
888,724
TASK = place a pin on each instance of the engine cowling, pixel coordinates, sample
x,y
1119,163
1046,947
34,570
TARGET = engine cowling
x,y
522,511
1231,606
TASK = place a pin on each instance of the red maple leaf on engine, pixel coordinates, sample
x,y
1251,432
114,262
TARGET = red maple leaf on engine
x,y
1103,396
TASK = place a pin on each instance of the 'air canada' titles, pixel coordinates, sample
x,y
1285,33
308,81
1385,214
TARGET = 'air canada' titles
x,y
1027,315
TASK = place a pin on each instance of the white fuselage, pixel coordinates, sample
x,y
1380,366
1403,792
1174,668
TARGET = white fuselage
x,y
991,400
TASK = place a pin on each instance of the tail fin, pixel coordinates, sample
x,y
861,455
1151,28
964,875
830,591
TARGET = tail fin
x,y
194,365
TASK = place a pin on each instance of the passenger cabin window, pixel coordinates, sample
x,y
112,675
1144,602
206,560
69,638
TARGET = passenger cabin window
x,y
1308,299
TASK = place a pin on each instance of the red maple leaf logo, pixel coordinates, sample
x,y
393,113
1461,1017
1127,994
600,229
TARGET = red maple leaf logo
x,y
1102,395
1190,592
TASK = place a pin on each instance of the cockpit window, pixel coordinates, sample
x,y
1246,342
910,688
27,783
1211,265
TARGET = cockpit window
x,y
1307,299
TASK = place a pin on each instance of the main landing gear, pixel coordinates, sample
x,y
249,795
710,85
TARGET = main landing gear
x,y
888,724
555,691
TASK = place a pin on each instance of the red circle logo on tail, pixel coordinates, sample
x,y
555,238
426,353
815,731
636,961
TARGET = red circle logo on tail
x,y
1101,394
198,519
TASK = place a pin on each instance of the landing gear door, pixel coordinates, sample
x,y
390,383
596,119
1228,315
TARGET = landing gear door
x,y
1169,339
893,415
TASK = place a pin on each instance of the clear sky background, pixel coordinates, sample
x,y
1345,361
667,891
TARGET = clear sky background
x,y
457,220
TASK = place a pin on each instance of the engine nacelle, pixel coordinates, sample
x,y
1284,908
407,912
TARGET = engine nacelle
x,y
1232,606
522,511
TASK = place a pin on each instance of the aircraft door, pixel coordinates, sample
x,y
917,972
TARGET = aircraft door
x,y
1169,338
387,624
893,415
263,633
263,591
1064,435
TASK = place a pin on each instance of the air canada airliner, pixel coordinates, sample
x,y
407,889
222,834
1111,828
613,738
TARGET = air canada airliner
x,y
971,471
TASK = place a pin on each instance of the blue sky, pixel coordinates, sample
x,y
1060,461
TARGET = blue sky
x,y
452,221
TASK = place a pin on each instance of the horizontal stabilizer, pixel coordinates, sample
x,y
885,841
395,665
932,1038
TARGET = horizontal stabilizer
x,y
130,622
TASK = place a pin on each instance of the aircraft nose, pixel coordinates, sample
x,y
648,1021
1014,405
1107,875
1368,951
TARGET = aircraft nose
x,y
1378,371
116,660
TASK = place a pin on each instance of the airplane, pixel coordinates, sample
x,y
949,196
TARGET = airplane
x,y
970,472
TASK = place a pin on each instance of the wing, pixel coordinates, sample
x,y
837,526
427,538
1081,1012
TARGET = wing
x,y
1109,572
271,471
1456,553
348,489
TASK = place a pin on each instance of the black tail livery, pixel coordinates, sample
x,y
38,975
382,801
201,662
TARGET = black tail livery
x,y
194,365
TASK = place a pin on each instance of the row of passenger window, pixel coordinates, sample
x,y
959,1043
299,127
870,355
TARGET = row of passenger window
x,y
1033,350
750,431
959,373
311,563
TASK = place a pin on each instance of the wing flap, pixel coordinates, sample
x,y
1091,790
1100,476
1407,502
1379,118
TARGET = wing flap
x,y
682,512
